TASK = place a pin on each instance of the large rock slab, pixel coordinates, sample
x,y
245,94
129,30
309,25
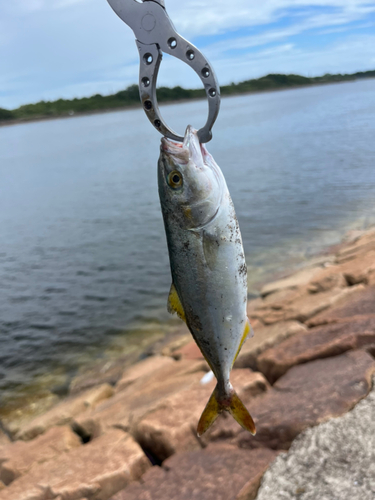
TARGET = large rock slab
x,y
172,428
319,342
64,412
335,460
96,471
265,337
361,303
18,457
145,367
300,278
103,372
304,307
216,473
305,396
4,439
128,406
359,270
358,248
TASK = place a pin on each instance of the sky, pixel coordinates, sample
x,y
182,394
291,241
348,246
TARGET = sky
x,y
52,49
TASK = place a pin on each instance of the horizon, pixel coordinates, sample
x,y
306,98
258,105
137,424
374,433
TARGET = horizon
x,y
79,48
195,88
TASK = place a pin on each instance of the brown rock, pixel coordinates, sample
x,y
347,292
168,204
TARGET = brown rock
x,y
104,372
216,473
2,486
96,470
265,337
172,427
131,404
361,302
328,279
4,439
188,351
304,307
280,299
312,304
305,396
296,280
371,279
320,342
145,367
18,457
362,246
176,343
64,412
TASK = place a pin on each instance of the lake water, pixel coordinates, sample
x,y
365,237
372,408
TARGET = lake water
x,y
83,260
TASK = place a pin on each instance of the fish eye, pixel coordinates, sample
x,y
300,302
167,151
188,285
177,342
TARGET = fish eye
x,y
175,179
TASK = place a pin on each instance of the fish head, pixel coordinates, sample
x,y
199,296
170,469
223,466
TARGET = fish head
x,y
191,185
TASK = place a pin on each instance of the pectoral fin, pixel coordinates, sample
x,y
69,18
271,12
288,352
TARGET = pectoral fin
x,y
174,304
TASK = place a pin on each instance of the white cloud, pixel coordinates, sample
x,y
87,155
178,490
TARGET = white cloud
x,y
205,17
67,48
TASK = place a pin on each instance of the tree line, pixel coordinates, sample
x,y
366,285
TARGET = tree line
x,y
130,96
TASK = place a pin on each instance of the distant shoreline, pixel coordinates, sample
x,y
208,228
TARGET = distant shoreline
x,y
137,105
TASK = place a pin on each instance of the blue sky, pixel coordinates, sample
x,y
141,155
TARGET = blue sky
x,y
74,48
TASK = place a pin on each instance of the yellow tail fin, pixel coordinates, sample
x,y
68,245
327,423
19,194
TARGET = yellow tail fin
x,y
217,405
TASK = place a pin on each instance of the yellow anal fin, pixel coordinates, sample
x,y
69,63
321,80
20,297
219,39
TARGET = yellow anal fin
x,y
245,335
231,404
174,304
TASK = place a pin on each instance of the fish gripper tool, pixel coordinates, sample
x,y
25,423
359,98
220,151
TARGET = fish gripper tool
x,y
155,34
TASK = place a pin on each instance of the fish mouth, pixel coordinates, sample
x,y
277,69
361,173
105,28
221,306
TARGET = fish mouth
x,y
183,151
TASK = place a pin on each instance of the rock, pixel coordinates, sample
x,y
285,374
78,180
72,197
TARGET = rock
x,y
296,280
305,396
216,473
64,412
128,406
308,306
175,343
319,342
334,460
265,337
280,299
18,457
96,470
145,367
304,307
328,279
188,351
4,439
359,270
360,303
104,372
172,427
362,246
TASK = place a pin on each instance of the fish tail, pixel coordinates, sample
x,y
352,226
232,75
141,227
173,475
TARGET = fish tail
x,y
230,403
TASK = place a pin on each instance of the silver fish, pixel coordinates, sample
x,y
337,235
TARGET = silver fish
x,y
209,274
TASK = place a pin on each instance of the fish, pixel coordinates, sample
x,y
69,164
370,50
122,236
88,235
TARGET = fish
x,y
208,267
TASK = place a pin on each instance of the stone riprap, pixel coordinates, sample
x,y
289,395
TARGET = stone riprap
x,y
129,431
335,460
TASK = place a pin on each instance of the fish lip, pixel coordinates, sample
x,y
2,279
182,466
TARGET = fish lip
x,y
183,151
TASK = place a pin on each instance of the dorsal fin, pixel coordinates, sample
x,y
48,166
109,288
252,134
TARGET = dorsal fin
x,y
174,304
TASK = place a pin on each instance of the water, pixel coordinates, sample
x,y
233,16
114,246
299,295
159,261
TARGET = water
x,y
83,260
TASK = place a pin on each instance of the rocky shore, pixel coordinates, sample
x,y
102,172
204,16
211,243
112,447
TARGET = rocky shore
x,y
125,434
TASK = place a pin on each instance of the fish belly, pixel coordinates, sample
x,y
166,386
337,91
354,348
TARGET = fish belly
x,y
209,273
